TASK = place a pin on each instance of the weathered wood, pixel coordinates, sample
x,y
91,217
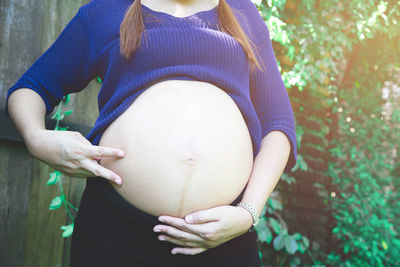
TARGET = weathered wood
x,y
43,245
9,132
31,234
73,192
15,186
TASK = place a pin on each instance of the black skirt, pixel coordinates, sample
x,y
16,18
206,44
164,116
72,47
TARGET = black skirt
x,y
109,231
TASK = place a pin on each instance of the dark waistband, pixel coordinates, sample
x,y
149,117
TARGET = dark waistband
x,y
103,188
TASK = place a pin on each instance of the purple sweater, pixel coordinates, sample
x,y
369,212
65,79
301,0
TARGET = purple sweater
x,y
190,48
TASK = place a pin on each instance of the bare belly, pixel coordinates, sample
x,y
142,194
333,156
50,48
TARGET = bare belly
x,y
187,148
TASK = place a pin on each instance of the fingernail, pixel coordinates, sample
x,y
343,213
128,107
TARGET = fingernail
x,y
173,251
161,238
120,153
118,181
156,229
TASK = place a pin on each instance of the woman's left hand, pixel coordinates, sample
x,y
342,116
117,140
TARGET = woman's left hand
x,y
204,229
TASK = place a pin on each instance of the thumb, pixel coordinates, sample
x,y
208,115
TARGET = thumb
x,y
202,216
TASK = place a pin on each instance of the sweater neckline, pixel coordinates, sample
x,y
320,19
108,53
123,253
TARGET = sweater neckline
x,y
169,16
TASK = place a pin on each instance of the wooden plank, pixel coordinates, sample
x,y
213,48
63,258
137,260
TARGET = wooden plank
x,y
15,183
9,132
73,189
44,244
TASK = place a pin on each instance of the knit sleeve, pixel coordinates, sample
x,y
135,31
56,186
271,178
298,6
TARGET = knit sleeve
x,y
67,66
269,95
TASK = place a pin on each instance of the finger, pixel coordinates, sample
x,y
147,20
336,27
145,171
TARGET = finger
x,y
178,241
203,216
80,137
98,159
178,234
99,170
86,141
189,251
102,151
199,229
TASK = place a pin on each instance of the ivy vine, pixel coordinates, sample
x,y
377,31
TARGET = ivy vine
x,y
55,177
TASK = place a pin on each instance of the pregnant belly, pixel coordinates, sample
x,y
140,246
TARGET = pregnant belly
x,y
187,148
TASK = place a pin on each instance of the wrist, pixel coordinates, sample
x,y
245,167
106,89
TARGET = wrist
x,y
34,140
246,219
253,213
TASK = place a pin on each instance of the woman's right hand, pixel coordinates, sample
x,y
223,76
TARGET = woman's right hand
x,y
72,154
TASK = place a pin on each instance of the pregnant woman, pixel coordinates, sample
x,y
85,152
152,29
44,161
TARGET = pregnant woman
x,y
192,97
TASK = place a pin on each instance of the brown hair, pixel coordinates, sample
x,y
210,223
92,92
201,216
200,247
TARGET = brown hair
x,y
132,27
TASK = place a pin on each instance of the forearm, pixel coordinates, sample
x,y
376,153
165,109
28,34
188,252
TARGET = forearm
x,y
267,169
27,112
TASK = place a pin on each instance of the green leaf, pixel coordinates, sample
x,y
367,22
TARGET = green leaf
x,y
54,177
295,261
68,230
385,245
287,178
290,244
301,247
306,242
275,204
300,164
263,211
68,112
264,234
62,128
55,115
55,203
275,225
297,236
270,211
346,248
66,99
303,165
279,242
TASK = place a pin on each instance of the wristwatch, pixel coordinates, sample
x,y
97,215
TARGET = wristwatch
x,y
253,213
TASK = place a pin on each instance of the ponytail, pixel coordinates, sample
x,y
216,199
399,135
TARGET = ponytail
x,y
132,27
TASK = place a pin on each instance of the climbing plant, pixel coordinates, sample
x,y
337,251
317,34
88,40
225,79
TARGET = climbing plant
x,y
55,177
272,229
348,51
366,201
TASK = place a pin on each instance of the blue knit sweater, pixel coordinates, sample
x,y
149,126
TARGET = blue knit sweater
x,y
190,48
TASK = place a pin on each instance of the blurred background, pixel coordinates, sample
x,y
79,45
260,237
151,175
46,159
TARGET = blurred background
x,y
339,206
